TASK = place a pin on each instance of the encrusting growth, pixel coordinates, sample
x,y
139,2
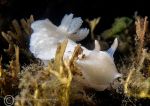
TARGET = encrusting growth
x,y
50,85
137,83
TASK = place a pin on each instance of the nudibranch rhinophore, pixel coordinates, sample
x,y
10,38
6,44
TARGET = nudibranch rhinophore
x,y
98,67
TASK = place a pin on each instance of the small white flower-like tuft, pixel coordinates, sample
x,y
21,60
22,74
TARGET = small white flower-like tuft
x,y
46,35
72,26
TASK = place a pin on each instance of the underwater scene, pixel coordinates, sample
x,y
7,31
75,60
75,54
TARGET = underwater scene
x,y
73,53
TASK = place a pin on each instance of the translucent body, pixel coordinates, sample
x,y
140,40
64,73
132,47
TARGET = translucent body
x,y
98,67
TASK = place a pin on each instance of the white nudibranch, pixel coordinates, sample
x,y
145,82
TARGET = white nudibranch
x,y
97,66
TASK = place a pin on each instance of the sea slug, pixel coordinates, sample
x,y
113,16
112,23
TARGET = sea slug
x,y
98,67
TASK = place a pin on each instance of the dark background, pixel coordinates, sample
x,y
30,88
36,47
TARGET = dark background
x,y
55,9
108,10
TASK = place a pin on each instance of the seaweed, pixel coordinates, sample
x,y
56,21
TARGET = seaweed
x,y
32,83
9,78
137,82
19,35
42,86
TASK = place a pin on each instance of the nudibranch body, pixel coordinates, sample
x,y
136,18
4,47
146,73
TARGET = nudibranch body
x,y
46,36
97,66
